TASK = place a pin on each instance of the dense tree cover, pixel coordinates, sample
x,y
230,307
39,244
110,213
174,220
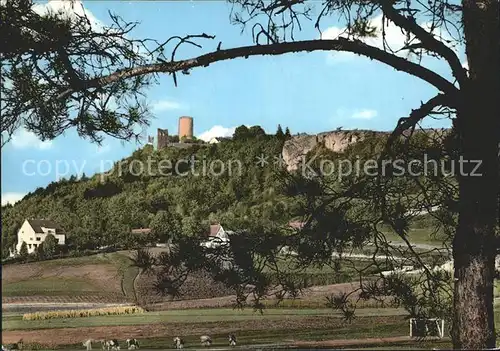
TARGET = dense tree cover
x,y
102,209
342,211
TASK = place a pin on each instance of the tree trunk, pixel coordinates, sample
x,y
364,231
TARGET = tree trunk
x,y
478,126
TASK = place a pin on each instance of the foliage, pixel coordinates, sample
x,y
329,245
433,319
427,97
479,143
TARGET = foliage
x,y
244,133
287,133
39,73
50,246
279,132
83,313
348,211
101,210
341,214
165,225
23,252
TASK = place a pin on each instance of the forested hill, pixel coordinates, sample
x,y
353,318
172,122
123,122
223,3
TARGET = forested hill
x,y
239,178
101,210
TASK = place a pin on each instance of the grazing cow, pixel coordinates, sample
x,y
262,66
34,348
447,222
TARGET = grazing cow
x,y
17,346
132,344
205,340
88,344
178,343
103,344
112,344
232,340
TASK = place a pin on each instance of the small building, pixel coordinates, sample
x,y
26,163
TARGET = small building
x,y
217,236
139,231
214,140
34,232
216,231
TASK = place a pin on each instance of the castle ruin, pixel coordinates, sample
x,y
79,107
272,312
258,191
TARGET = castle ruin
x,y
162,138
185,132
185,128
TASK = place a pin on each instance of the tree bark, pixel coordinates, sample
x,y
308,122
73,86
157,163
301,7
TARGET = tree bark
x,y
478,127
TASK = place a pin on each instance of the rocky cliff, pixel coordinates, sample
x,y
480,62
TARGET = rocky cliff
x,y
299,145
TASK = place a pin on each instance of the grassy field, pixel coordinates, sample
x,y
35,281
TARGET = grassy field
x,y
156,330
50,286
102,274
274,326
112,274
15,322
418,236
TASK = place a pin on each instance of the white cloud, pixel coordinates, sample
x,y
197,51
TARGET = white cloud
x,y
24,139
217,131
364,114
165,105
71,9
395,38
11,198
74,10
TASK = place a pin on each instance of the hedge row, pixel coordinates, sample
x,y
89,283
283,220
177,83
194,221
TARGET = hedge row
x,y
83,313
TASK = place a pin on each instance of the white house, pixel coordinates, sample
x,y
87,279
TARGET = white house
x,y
34,231
214,140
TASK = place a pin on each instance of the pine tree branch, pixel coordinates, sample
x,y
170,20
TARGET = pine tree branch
x,y
416,116
426,38
341,44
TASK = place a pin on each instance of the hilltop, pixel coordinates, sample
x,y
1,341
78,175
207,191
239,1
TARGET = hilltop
x,y
102,210
224,183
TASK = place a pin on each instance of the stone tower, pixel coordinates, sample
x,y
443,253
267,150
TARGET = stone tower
x,y
185,127
162,138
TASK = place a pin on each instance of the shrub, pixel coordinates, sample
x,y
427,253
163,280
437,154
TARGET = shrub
x,y
49,246
23,252
83,313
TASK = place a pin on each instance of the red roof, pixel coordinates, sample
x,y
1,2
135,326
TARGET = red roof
x,y
214,229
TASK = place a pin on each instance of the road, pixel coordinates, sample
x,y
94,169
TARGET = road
x,y
416,246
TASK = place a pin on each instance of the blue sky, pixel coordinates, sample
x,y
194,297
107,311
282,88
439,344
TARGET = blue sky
x,y
308,92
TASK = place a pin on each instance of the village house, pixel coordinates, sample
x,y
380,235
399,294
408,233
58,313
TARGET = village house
x,y
34,232
217,235
216,231
214,140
